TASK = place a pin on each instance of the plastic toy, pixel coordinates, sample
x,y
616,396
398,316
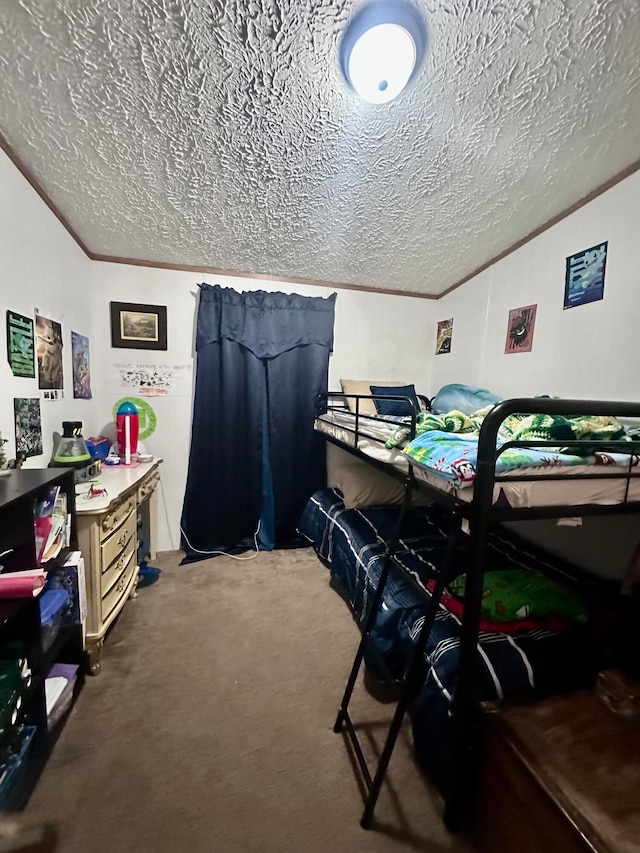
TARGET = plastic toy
x,y
95,492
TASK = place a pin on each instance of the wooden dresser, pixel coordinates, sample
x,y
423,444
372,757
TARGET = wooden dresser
x,y
109,528
561,775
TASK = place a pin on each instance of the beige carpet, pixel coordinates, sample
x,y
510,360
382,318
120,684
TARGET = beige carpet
x,y
210,726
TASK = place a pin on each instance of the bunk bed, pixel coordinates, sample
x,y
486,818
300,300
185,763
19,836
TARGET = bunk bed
x,y
394,564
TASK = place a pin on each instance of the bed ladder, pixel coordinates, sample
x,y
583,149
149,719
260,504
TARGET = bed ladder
x,y
407,689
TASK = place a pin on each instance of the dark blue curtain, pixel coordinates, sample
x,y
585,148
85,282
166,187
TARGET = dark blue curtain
x,y
262,359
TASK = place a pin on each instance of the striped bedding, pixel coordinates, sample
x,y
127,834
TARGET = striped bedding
x,y
353,543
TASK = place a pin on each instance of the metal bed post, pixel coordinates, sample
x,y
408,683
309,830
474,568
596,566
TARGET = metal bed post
x,y
343,715
413,670
464,722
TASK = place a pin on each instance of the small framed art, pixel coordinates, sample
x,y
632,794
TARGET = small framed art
x,y
522,322
137,326
584,276
443,336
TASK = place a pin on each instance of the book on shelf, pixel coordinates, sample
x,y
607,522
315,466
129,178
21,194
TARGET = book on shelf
x,y
52,525
59,685
22,584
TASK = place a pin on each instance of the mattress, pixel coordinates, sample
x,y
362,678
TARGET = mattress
x,y
517,494
353,543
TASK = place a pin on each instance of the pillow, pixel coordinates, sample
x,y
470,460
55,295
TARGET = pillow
x,y
462,398
362,386
395,407
363,485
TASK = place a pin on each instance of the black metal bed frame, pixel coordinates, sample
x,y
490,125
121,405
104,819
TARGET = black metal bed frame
x,y
481,514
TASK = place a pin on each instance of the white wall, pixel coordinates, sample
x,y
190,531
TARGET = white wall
x,y
586,352
377,336
42,268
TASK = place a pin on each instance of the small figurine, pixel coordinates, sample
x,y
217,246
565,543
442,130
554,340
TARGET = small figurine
x,y
95,492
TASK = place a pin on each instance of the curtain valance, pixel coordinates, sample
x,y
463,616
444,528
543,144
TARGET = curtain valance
x,y
268,324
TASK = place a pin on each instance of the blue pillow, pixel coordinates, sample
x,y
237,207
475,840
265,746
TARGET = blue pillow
x,y
463,398
395,407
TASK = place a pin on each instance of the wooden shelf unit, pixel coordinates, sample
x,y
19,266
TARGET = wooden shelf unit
x,y
20,618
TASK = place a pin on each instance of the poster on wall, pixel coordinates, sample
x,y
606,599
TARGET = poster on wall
x,y
26,412
49,353
443,336
80,366
520,328
584,277
20,345
150,379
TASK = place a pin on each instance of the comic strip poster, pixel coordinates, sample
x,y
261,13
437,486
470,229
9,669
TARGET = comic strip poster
x,y
49,353
80,362
520,328
584,278
443,336
20,344
28,424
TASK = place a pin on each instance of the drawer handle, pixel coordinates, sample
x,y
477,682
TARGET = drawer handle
x,y
122,539
121,584
147,488
119,565
112,520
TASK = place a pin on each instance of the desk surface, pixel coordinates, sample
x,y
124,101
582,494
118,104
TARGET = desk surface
x,y
115,480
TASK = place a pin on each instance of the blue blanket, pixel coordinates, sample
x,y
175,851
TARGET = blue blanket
x,y
454,456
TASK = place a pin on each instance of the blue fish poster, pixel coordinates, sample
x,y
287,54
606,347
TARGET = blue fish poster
x,y
584,279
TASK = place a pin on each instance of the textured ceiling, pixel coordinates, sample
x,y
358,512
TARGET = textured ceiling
x,y
221,133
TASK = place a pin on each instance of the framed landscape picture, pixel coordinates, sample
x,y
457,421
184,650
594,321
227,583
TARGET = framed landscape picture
x,y
137,326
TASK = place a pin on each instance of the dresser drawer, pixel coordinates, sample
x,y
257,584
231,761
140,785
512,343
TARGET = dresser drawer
x,y
148,486
118,542
113,597
115,569
116,517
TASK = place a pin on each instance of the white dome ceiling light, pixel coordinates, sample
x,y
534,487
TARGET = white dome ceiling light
x,y
383,46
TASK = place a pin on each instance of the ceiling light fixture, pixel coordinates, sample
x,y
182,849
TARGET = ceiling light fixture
x,y
383,46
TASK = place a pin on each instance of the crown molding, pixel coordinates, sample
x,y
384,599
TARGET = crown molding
x,y
312,282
